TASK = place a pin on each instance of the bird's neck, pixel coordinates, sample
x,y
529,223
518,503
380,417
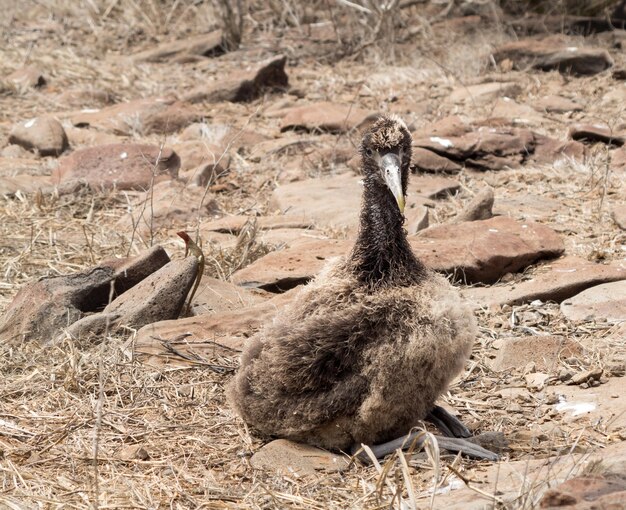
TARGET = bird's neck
x,y
382,254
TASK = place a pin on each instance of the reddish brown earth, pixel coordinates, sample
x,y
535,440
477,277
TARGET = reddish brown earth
x,y
123,123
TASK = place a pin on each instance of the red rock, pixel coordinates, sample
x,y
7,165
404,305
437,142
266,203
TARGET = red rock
x,y
205,335
618,160
162,115
202,163
596,133
85,137
544,351
287,457
553,53
518,114
587,492
477,251
309,199
44,135
484,92
606,302
27,77
243,86
548,150
619,216
557,104
555,282
427,161
204,45
84,98
123,166
485,148
484,251
452,126
330,117
42,309
221,135
479,208
218,296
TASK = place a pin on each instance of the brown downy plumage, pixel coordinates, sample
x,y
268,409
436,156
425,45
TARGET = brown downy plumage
x,y
365,349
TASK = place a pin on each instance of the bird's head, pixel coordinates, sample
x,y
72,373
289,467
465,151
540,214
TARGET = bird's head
x,y
386,155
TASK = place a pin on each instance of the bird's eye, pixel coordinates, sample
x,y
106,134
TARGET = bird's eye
x,y
369,152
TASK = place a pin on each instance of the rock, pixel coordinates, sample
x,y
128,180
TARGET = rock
x,y
221,135
203,45
325,116
132,452
477,251
586,376
44,135
285,269
484,92
84,98
484,251
215,296
544,351
417,218
587,492
557,104
161,115
518,114
26,78
424,160
619,216
185,341
9,186
548,150
484,149
596,133
479,208
159,297
243,87
525,206
169,204
536,381
234,224
202,163
41,309
14,151
120,166
85,137
554,282
618,160
606,302
553,53
290,458
451,126
309,199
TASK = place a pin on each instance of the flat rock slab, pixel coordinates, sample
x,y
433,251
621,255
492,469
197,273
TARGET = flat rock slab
x,y
195,340
25,183
596,133
544,351
44,135
323,117
243,86
204,45
120,166
606,302
484,92
554,281
476,251
510,479
424,160
553,53
526,206
484,251
215,296
290,458
619,216
310,199
557,104
161,115
41,309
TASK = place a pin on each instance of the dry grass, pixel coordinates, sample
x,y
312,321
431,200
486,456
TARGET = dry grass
x,y
85,425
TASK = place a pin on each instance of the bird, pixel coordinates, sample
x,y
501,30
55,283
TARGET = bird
x,y
364,350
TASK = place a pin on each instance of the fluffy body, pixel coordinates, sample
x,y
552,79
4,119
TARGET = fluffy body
x,y
328,374
364,350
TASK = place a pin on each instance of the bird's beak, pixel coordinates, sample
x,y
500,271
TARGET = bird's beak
x,y
390,165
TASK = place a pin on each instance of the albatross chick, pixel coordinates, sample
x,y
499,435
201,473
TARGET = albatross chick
x,y
365,349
